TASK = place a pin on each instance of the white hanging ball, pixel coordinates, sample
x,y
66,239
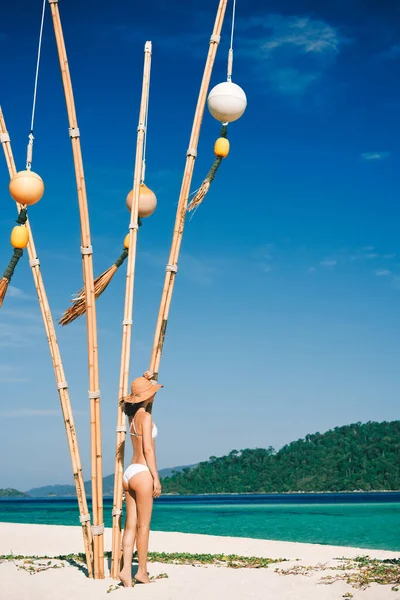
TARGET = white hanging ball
x,y
227,102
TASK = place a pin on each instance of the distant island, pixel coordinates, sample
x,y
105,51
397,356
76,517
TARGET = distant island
x,y
11,493
358,457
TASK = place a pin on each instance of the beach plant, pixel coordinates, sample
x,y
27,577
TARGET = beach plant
x,y
359,572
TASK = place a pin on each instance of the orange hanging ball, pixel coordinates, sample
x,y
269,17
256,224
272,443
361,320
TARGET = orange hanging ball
x,y
221,147
26,187
147,201
126,241
19,237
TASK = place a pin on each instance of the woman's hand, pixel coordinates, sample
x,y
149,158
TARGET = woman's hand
x,y
156,488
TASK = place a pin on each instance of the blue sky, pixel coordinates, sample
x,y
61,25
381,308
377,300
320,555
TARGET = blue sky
x,y
285,315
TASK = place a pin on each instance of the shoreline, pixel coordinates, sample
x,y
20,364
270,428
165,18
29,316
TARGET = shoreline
x,y
173,494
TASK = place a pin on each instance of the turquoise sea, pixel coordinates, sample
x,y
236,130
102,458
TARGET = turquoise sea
x,y
363,520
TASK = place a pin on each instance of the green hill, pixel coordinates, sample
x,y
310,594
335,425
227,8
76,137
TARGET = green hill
x,y
11,493
355,457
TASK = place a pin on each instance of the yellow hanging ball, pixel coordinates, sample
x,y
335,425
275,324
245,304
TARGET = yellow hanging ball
x,y
221,147
26,187
147,201
19,237
126,241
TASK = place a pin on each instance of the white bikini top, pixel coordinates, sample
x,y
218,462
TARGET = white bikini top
x,y
136,434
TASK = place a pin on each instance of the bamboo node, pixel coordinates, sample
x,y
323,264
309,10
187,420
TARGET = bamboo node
x,y
116,512
98,529
215,39
141,127
62,385
191,152
84,518
171,268
34,262
74,132
147,47
127,322
53,1
134,226
87,250
4,137
94,395
121,429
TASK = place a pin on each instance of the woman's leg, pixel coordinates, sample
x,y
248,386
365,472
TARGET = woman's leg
x,y
128,540
142,485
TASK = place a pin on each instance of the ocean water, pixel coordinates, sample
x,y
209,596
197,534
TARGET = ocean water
x,y
362,520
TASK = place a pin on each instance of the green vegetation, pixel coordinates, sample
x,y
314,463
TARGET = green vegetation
x,y
358,457
11,493
359,572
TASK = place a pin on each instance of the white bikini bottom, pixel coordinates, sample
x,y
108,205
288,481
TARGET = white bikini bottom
x,y
134,470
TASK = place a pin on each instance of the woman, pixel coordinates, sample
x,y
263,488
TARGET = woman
x,y
141,481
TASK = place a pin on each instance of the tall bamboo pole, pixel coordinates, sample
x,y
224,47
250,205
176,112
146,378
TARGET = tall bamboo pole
x,y
62,385
172,266
88,282
127,322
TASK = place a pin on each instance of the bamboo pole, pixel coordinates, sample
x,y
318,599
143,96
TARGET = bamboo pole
x,y
62,385
172,266
88,281
127,322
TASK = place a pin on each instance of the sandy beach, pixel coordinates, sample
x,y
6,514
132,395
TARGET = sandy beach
x,y
184,581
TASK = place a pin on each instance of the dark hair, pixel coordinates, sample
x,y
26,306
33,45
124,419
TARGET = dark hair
x,y
131,408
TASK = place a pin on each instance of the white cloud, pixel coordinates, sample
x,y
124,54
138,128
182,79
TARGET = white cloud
x,y
311,269
392,53
14,292
364,256
290,52
374,156
328,263
383,273
389,256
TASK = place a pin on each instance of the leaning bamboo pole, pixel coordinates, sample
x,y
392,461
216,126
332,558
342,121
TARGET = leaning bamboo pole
x,y
172,266
62,385
127,322
88,282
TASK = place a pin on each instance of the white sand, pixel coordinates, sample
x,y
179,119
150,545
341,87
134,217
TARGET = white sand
x,y
184,582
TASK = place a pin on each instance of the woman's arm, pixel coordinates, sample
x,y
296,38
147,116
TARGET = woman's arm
x,y
149,452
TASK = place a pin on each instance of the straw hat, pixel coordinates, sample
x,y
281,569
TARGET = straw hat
x,y
142,388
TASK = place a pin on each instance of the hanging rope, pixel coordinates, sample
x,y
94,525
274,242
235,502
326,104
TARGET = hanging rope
x,y
29,151
221,148
205,186
79,300
19,244
230,54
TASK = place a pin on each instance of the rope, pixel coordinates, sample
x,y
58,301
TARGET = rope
x,y
230,54
145,134
30,143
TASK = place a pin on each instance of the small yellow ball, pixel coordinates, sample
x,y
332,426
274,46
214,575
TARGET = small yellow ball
x,y
126,241
26,187
221,147
19,237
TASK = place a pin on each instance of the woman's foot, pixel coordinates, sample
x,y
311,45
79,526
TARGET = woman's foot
x,y
125,576
142,577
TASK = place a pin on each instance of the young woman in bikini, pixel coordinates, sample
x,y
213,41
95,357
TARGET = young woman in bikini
x,y
141,481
